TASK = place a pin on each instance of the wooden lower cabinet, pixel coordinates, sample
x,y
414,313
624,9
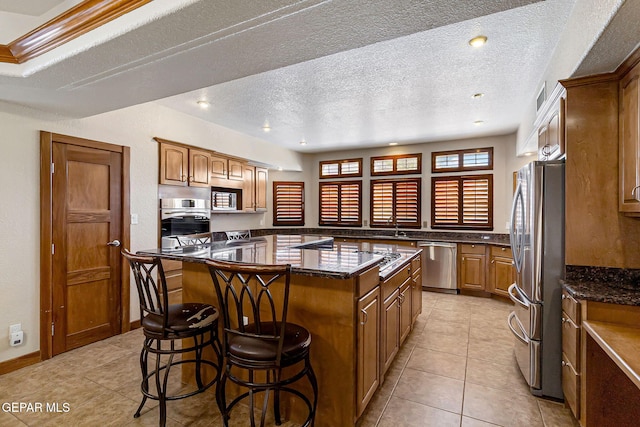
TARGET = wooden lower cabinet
x,y
472,270
390,330
416,287
173,276
368,345
571,352
404,307
502,272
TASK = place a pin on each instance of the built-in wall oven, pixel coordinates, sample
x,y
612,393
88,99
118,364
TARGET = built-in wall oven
x,y
179,217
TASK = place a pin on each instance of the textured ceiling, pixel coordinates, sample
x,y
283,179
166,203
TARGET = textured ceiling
x,y
338,73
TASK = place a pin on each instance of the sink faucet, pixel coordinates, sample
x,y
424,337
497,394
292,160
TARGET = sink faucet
x,y
398,233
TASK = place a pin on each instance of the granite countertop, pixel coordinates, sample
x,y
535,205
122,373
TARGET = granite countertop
x,y
387,234
307,254
602,284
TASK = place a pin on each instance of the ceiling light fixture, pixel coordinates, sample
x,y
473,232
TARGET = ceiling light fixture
x,y
393,143
478,122
477,95
204,104
478,41
266,127
303,142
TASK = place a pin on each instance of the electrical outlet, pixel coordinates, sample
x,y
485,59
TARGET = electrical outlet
x,y
425,224
365,222
15,328
134,219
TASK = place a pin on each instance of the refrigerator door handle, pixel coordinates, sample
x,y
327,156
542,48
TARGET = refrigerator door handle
x,y
515,235
522,338
516,296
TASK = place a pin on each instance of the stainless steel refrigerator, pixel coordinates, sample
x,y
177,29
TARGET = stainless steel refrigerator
x,y
537,242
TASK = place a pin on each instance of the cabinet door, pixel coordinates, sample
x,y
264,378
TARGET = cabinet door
x,y
262,176
236,170
248,189
472,272
629,122
199,168
218,167
416,292
404,305
174,161
368,345
390,330
543,135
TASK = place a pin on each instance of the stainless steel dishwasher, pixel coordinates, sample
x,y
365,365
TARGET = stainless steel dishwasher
x,y
439,266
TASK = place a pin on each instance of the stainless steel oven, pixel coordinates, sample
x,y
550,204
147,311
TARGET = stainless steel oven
x,y
179,217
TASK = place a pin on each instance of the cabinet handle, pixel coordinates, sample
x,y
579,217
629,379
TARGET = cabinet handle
x,y
566,364
190,179
183,178
633,192
563,320
473,246
546,150
493,261
504,249
365,316
564,296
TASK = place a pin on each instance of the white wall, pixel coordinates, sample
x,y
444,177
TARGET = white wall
x,y
505,163
20,193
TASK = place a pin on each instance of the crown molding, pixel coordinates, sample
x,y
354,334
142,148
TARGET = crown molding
x,y
78,20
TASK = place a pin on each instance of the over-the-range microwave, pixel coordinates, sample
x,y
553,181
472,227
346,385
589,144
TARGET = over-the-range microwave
x,y
224,200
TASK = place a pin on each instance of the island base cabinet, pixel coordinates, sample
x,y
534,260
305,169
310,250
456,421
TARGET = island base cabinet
x,y
390,330
368,376
404,307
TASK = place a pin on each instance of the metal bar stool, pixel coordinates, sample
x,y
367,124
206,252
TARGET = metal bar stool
x,y
253,300
193,239
164,323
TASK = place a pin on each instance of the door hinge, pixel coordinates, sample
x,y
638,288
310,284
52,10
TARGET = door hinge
x,y
53,167
53,328
53,249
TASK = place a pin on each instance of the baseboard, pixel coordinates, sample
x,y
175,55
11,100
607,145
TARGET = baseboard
x,y
19,362
135,325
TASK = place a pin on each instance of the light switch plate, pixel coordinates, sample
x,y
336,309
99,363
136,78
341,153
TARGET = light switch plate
x,y
15,328
134,219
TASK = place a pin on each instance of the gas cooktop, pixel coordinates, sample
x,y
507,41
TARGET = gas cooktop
x,y
387,257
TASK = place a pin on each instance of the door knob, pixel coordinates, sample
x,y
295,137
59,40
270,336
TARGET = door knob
x,y
114,243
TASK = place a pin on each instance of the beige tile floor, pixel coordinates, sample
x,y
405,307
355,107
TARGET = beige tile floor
x,y
455,369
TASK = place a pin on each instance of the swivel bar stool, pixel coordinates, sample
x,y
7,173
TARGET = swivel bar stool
x,y
253,300
164,323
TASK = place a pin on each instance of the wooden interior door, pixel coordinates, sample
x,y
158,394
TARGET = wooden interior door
x,y
86,271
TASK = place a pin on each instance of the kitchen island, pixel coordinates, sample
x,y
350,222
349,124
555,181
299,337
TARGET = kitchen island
x,y
358,311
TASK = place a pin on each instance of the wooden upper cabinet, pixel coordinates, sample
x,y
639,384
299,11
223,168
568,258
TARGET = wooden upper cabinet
x,y
248,189
236,170
551,130
262,178
218,167
629,122
174,163
199,168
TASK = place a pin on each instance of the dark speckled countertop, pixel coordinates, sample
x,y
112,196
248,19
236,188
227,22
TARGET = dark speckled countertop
x,y
602,284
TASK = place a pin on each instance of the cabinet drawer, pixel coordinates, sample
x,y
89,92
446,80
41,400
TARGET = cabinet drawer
x,y
394,282
415,263
571,341
501,251
471,249
571,307
571,386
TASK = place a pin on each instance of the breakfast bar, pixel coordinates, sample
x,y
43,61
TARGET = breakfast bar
x,y
359,301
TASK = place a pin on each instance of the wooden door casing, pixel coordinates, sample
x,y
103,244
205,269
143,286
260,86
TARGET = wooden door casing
x,y
72,264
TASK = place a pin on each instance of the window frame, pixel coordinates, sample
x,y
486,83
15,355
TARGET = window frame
x,y
395,182
461,225
340,174
297,223
340,222
394,158
461,167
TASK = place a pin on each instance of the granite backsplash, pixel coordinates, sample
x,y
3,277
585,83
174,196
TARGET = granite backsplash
x,y
603,284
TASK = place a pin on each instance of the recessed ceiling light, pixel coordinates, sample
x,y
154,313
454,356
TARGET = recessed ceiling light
x,y
478,41
303,142
203,104
266,127
478,122
528,153
393,143
477,95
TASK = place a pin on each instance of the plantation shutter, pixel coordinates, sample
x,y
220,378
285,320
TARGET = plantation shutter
x,y
462,202
288,203
341,203
394,202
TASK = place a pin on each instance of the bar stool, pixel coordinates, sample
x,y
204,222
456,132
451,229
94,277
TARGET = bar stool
x,y
164,323
253,300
